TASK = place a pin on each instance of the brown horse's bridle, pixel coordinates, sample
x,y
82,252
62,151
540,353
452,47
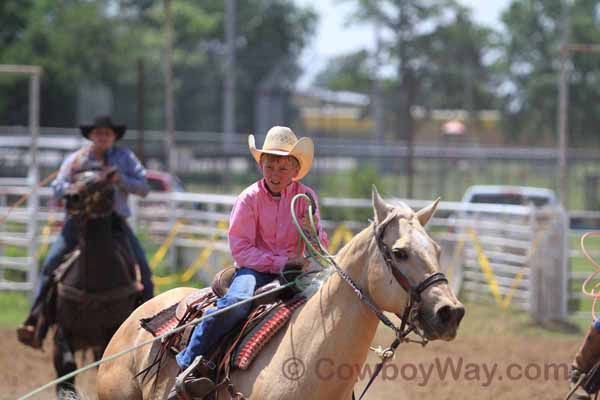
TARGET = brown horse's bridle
x,y
413,291
411,311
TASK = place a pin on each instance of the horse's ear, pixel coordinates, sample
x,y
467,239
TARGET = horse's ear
x,y
380,207
425,214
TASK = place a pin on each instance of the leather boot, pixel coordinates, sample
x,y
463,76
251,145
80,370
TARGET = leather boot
x,y
28,333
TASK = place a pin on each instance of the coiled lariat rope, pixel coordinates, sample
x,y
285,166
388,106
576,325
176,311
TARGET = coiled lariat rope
x,y
594,292
591,293
320,254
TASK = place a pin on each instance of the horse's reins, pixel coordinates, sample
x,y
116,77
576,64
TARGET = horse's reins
x,y
411,311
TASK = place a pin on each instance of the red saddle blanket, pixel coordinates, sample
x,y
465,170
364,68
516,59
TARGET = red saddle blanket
x,y
242,345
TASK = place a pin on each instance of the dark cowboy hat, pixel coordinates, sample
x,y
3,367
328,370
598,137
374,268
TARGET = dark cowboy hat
x,y
105,122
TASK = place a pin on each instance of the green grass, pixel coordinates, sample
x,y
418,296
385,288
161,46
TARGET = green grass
x,y
486,319
14,306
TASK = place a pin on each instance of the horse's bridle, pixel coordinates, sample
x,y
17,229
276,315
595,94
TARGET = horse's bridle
x,y
411,311
413,291
90,199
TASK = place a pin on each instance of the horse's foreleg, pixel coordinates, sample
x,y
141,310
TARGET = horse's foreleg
x,y
64,363
98,353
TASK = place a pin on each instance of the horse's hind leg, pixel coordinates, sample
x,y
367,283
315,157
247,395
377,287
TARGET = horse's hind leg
x,y
64,363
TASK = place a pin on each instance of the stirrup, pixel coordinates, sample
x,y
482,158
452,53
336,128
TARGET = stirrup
x,y
189,388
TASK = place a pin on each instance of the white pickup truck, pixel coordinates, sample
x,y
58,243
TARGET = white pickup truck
x,y
514,195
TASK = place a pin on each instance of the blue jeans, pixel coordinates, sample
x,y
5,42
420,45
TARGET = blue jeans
x,y
67,241
207,334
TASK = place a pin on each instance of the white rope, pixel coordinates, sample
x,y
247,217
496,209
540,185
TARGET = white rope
x,y
322,256
122,353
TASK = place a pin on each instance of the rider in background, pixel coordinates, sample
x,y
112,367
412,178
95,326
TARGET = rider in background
x,y
129,178
262,237
587,356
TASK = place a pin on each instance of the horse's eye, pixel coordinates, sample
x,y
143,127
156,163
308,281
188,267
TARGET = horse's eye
x,y
401,254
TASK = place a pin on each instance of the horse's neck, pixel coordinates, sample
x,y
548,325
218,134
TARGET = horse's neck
x,y
100,265
348,324
98,231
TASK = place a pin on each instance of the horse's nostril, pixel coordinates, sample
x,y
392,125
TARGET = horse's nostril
x,y
460,313
450,314
444,314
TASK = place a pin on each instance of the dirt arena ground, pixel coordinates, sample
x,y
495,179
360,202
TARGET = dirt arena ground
x,y
477,367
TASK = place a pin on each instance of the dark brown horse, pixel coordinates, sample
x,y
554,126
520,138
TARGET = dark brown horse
x,y
100,288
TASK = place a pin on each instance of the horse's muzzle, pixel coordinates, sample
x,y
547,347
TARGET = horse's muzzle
x,y
443,322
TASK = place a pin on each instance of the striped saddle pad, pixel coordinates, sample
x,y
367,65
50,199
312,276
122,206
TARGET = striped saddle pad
x,y
250,342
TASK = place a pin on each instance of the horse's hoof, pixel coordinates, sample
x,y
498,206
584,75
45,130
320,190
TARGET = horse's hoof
x,y
26,335
67,394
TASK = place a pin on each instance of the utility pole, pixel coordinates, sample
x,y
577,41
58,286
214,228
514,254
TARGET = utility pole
x,y
377,96
229,81
169,103
563,95
140,111
563,100
406,125
563,108
229,88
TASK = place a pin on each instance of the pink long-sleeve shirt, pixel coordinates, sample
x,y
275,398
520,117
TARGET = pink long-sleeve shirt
x,y
262,234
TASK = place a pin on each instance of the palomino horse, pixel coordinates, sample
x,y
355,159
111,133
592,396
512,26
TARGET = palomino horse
x,y
99,290
333,328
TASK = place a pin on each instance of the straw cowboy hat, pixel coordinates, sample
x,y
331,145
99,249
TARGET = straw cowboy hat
x,y
282,141
105,122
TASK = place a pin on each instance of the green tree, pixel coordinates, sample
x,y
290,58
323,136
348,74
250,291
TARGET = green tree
x,y
529,67
78,41
454,74
444,66
439,55
347,72
69,40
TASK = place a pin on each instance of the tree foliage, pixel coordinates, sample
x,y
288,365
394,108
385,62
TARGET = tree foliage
x,y
79,42
351,72
439,53
445,60
529,68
